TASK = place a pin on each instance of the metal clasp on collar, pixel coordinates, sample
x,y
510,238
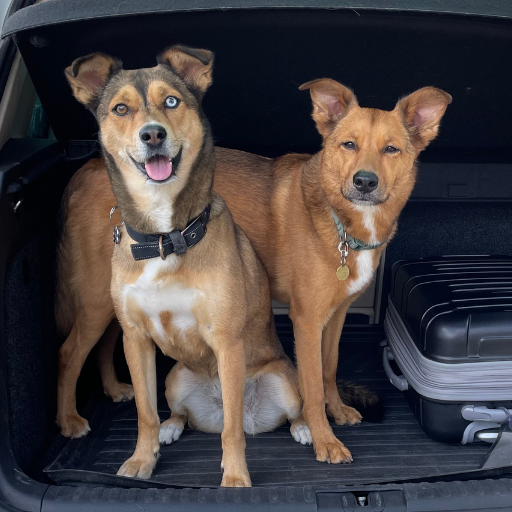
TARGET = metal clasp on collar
x,y
343,248
116,234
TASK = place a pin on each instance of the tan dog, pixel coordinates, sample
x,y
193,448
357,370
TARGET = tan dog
x,y
192,284
365,174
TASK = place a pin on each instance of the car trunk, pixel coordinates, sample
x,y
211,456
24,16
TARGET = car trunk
x,y
460,205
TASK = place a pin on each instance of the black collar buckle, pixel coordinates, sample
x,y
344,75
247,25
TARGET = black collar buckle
x,y
154,245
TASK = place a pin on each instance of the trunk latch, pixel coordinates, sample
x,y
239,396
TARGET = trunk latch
x,y
377,501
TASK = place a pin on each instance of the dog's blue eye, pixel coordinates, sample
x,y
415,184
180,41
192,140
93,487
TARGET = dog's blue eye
x,y
171,102
391,150
349,145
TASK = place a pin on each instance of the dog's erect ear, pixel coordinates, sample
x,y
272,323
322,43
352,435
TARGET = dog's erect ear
x,y
88,76
331,101
422,112
192,65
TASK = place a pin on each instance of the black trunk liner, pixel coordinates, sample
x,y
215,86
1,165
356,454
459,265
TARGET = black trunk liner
x,y
395,449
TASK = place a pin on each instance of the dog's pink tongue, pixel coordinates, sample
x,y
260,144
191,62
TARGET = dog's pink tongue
x,y
158,168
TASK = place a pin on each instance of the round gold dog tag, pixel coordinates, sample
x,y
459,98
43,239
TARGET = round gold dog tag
x,y
342,273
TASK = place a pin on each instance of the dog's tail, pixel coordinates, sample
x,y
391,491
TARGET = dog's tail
x,y
362,399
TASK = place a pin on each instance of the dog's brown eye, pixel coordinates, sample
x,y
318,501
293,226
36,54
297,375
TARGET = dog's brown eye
x,y
121,109
349,145
391,149
171,102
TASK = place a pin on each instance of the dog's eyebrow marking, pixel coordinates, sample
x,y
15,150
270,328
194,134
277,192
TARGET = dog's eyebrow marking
x,y
141,84
158,90
125,94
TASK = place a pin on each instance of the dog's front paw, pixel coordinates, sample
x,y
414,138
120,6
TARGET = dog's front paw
x,y
241,480
119,392
344,415
137,467
332,451
73,426
236,473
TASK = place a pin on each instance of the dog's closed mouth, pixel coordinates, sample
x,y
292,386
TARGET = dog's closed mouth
x,y
364,199
160,168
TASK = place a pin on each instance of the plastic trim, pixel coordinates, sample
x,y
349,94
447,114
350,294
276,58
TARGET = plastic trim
x,y
60,11
415,497
17,491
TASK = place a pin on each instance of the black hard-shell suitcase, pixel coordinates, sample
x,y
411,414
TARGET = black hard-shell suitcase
x,y
449,332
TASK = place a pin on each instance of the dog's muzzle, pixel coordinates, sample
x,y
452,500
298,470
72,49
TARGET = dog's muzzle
x,y
159,167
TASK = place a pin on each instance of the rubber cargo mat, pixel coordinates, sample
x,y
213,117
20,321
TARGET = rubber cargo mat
x,y
394,449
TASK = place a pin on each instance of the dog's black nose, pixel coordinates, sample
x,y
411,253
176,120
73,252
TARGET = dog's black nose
x,y
366,181
152,134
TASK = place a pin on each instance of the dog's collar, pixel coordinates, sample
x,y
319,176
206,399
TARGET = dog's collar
x,y
353,243
153,245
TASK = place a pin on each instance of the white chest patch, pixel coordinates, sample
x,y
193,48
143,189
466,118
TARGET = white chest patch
x,y
156,296
162,216
364,258
368,218
364,272
160,207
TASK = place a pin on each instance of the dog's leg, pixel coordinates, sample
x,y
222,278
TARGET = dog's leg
x,y
72,355
118,391
283,389
299,428
291,401
175,393
308,344
231,363
197,398
140,356
341,413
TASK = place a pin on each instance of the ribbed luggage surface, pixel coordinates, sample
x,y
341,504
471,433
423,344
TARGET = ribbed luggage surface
x,y
457,309
393,450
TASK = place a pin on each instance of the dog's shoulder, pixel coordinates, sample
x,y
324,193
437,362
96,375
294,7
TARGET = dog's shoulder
x,y
289,164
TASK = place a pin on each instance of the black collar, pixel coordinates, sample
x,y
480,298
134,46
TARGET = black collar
x,y
152,246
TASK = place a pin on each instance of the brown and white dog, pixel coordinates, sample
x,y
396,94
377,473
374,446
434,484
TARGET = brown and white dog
x,y
207,306
364,175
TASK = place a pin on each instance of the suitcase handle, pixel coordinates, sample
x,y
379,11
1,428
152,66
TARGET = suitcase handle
x,y
399,382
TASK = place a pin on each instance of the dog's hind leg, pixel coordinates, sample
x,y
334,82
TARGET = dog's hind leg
x,y
280,398
193,398
300,431
118,391
176,392
298,426
171,429
83,336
